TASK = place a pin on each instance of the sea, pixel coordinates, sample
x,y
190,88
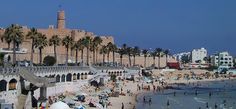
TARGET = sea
x,y
201,95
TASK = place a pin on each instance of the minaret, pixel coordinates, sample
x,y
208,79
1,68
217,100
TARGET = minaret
x,y
61,20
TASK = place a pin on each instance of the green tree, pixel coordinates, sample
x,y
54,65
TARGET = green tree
x,y
154,54
129,51
33,35
67,42
109,45
81,48
166,53
92,49
49,60
40,43
159,51
78,45
145,53
111,48
55,41
135,52
103,51
72,48
14,34
121,52
97,42
87,43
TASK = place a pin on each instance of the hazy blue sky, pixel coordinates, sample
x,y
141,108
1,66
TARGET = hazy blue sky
x,y
179,25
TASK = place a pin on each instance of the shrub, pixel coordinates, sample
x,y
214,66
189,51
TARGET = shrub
x,y
49,61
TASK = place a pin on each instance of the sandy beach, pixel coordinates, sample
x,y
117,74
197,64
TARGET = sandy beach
x,y
130,101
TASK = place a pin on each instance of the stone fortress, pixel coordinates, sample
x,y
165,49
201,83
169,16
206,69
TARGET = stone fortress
x,y
61,31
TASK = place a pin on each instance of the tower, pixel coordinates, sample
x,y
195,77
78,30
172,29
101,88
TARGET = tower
x,y
61,20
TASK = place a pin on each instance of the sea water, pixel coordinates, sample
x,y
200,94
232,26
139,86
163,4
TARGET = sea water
x,y
201,95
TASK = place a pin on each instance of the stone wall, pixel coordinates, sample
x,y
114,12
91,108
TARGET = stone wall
x,y
61,50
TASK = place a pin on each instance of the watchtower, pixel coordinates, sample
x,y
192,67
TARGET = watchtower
x,y
61,20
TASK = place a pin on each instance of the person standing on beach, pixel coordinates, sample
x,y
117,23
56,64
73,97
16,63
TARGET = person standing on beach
x,y
210,94
168,103
215,106
150,101
144,99
122,106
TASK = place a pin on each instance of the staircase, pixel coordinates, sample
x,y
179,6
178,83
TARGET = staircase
x,y
35,80
97,73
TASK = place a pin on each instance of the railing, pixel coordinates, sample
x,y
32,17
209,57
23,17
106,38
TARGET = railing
x,y
40,69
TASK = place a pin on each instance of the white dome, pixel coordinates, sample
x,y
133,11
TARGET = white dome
x,y
59,105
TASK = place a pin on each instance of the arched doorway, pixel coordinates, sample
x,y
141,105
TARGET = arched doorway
x,y
12,84
68,77
3,85
58,78
85,76
78,76
63,78
82,76
74,76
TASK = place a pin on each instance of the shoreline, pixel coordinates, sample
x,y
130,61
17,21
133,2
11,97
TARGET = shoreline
x,y
170,82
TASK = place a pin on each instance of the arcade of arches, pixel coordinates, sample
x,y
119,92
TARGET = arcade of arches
x,y
69,77
11,85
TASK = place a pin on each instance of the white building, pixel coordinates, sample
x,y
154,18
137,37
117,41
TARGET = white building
x,y
199,55
222,59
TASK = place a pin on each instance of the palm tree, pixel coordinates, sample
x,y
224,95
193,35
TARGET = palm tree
x,y
14,33
135,51
92,49
145,52
97,42
158,51
67,42
72,48
129,51
33,35
113,48
109,47
55,41
40,43
103,51
76,46
154,54
166,52
81,48
121,52
87,44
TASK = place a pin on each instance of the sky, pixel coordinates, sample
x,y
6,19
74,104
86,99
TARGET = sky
x,y
178,25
